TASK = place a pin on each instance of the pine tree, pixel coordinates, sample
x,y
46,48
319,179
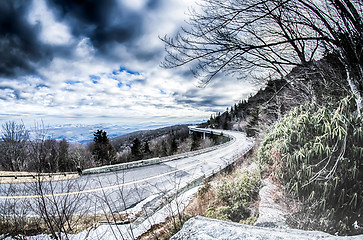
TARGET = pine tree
x,y
174,146
100,136
225,125
195,142
64,164
102,149
213,137
164,149
147,151
218,119
252,126
136,149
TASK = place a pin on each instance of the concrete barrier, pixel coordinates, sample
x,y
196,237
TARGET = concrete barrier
x,y
122,166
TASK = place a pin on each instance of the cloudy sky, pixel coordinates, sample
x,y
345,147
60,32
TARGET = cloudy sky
x,y
84,61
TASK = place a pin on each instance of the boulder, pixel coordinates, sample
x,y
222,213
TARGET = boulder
x,y
201,228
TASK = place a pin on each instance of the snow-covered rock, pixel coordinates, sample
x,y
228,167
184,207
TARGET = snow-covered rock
x,y
201,228
271,213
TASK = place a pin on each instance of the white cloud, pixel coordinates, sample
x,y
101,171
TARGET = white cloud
x,y
52,32
84,49
133,4
169,21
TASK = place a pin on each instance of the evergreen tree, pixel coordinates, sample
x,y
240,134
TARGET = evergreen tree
x,y
252,126
147,150
225,125
164,149
100,136
174,146
195,142
218,119
213,137
136,149
64,164
102,149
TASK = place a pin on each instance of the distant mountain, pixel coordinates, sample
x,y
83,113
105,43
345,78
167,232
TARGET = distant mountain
x,y
147,135
83,133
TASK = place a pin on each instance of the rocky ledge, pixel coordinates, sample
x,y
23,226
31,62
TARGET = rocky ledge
x,y
201,228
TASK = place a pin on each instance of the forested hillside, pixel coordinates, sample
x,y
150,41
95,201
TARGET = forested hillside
x,y
160,143
309,140
319,83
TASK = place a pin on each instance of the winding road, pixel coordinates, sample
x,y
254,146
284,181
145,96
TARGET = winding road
x,y
121,190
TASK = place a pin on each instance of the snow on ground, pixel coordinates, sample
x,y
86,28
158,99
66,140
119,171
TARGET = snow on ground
x,y
271,213
129,231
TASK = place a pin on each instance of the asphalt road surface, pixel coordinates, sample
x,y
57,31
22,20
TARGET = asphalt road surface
x,y
117,191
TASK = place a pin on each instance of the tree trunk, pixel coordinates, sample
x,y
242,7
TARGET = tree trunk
x,y
354,90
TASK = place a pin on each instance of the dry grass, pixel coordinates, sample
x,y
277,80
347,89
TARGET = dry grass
x,y
35,225
206,197
196,207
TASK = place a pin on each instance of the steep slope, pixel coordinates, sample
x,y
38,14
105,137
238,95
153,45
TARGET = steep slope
x,y
319,82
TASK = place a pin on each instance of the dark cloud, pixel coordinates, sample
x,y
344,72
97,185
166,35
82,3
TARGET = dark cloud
x,y
87,11
14,92
81,44
148,55
103,22
154,4
106,23
195,98
20,48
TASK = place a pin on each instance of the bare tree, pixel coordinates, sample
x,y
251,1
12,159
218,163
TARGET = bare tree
x,y
61,205
38,149
269,37
14,213
46,154
80,156
113,204
13,146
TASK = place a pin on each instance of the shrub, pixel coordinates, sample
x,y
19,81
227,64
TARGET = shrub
x,y
235,195
221,213
249,221
241,189
317,153
204,189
